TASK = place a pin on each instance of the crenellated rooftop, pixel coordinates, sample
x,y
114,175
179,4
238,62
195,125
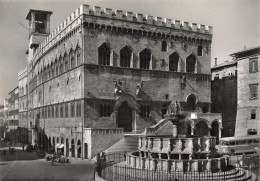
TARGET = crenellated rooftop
x,y
146,19
73,21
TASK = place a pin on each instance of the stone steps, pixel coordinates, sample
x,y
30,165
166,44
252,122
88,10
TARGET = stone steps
x,y
128,143
231,175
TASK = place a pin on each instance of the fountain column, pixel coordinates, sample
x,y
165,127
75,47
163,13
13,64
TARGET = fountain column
x,y
209,130
192,130
175,131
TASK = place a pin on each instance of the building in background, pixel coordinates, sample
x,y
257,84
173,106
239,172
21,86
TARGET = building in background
x,y
3,124
224,94
13,115
2,116
24,126
248,78
13,109
102,73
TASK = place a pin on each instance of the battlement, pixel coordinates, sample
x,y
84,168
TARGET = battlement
x,y
146,19
74,21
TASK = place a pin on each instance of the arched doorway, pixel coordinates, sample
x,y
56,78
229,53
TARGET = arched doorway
x,y
184,128
61,147
124,117
72,148
215,130
86,150
67,147
191,102
46,142
49,143
201,128
79,149
53,142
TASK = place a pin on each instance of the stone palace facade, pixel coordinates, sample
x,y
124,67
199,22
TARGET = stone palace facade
x,y
102,73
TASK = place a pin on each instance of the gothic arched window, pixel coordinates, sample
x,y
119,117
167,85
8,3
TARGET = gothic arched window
x,y
48,72
52,70
145,58
191,102
164,46
190,64
173,62
66,63
56,67
104,54
78,55
61,65
125,57
72,59
200,51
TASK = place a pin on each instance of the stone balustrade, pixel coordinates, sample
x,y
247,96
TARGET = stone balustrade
x,y
204,144
105,131
212,164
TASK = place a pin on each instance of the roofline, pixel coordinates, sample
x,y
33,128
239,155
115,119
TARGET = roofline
x,y
13,89
35,10
243,51
224,65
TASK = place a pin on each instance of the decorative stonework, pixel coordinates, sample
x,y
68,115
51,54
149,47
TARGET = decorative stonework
x,y
212,164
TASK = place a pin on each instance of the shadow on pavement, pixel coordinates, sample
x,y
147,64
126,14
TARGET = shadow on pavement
x,y
18,155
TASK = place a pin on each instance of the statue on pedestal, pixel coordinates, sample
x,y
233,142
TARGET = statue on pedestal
x,y
174,108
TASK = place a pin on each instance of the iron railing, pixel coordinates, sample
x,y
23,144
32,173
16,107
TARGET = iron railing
x,y
112,167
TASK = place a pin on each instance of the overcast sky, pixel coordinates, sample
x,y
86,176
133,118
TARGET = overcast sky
x,y
235,25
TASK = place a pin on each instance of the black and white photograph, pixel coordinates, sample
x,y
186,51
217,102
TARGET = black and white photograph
x,y
137,90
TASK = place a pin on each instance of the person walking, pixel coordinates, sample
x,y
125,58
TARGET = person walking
x,y
53,158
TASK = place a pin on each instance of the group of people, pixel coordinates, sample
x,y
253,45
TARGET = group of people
x,y
55,155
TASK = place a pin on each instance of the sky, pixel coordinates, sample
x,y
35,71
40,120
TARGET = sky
x,y
236,25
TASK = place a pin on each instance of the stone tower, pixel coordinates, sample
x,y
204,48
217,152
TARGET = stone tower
x,y
39,29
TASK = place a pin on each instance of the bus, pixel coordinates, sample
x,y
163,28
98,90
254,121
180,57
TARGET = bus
x,y
239,145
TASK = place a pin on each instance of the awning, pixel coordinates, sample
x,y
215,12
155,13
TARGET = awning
x,y
61,146
57,145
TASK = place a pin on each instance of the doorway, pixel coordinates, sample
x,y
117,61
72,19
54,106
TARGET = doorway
x,y
124,117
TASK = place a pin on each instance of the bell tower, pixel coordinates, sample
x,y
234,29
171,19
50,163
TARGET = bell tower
x,y
39,29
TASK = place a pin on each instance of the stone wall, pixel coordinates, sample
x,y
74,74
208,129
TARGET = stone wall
x,y
101,139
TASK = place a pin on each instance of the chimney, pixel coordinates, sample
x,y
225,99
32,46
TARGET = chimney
x,y
216,61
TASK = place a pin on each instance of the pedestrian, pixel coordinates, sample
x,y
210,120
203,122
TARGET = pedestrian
x,y
125,155
53,158
23,147
95,170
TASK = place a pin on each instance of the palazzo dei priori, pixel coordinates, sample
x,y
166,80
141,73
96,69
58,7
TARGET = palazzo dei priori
x,y
102,73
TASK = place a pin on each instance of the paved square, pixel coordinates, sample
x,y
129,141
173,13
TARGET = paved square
x,y
27,166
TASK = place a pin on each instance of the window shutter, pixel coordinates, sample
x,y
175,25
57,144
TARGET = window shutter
x,y
256,65
250,66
